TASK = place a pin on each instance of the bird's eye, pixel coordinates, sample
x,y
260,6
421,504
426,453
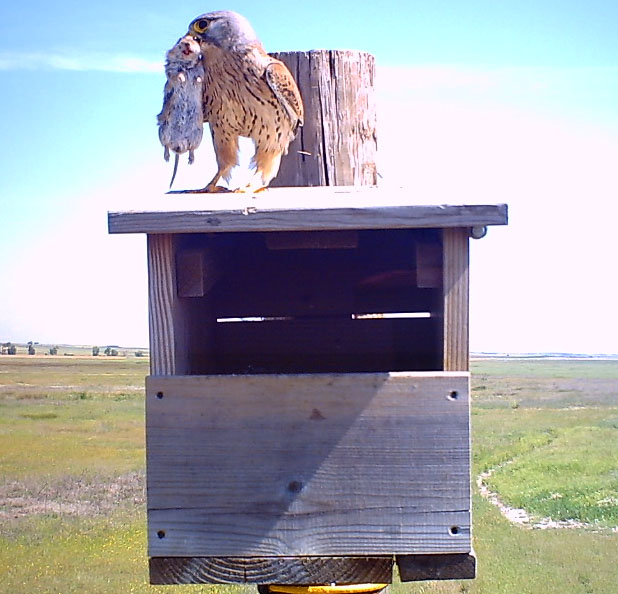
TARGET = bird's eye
x,y
200,26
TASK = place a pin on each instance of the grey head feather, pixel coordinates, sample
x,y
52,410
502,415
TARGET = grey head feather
x,y
227,30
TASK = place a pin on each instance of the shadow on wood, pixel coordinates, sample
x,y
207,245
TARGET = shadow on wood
x,y
308,465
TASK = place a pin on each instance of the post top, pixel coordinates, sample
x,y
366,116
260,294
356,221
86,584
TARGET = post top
x,y
301,209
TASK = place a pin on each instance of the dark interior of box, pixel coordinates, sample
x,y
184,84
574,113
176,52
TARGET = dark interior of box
x,y
314,302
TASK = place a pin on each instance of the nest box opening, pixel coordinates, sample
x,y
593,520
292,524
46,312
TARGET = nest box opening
x,y
311,302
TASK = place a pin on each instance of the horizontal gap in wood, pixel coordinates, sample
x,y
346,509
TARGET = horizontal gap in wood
x,y
308,300
274,570
399,315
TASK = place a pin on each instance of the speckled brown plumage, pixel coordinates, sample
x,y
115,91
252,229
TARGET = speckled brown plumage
x,y
247,93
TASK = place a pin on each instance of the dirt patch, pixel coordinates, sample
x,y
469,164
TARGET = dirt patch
x,y
74,496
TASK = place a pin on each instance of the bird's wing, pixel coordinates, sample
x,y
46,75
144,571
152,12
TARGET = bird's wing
x,y
284,87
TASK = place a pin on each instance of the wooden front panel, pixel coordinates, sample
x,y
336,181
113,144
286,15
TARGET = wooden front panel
x,y
308,465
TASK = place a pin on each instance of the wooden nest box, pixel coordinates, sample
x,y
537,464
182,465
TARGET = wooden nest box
x,y
308,403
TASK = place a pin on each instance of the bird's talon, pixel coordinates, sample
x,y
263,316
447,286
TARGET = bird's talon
x,y
216,190
206,190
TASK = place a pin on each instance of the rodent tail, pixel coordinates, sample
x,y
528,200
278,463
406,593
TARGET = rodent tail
x,y
176,157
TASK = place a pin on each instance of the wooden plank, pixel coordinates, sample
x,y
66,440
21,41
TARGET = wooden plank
x,y
429,266
273,570
453,566
308,465
456,299
190,273
301,209
166,313
196,271
319,345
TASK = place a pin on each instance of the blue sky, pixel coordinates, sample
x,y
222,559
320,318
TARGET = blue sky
x,y
488,101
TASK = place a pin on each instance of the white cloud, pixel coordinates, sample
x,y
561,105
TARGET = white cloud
x,y
78,61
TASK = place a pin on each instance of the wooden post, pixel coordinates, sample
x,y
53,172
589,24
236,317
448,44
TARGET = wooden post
x,y
337,145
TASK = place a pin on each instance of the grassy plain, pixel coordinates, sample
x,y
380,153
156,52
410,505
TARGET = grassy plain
x,y
72,513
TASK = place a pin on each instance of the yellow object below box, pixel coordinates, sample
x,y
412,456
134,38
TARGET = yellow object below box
x,y
342,589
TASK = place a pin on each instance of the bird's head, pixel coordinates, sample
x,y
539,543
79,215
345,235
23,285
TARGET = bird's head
x,y
224,29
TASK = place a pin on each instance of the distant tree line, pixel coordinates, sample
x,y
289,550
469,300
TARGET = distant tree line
x,y
8,348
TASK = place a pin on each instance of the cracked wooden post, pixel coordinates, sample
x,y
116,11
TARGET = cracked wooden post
x,y
337,145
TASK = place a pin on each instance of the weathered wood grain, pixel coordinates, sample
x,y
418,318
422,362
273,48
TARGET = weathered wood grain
x,y
308,465
456,299
273,570
453,566
166,313
337,145
303,209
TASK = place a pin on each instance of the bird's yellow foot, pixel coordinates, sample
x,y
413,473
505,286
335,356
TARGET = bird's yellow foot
x,y
249,189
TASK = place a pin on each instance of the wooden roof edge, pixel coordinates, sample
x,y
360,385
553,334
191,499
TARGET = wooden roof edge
x,y
344,210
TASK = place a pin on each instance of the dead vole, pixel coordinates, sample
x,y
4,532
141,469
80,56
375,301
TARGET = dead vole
x,y
181,120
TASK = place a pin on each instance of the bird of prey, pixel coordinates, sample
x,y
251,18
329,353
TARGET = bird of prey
x,y
246,93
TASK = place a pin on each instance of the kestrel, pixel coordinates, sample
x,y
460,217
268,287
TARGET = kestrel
x,y
247,93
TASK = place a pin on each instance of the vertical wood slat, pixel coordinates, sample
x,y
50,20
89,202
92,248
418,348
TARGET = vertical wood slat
x,y
456,298
168,354
337,145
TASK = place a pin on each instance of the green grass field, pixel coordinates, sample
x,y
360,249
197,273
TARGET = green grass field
x,y
72,515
